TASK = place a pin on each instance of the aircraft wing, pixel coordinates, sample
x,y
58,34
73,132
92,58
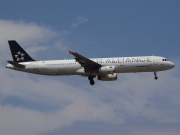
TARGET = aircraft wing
x,y
89,65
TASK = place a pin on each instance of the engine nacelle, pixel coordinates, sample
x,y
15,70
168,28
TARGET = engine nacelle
x,y
107,69
108,77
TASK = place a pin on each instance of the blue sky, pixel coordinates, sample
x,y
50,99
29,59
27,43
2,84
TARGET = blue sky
x,y
135,104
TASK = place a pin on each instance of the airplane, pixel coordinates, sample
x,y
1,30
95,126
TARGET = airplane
x,y
105,69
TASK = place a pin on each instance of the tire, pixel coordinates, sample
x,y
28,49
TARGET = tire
x,y
92,82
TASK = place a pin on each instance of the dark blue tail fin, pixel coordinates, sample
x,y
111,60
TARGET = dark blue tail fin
x,y
18,53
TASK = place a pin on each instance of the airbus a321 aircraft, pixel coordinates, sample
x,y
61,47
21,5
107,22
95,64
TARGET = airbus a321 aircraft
x,y
105,69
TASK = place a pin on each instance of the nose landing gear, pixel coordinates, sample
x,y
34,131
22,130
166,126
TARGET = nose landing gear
x,y
91,80
155,74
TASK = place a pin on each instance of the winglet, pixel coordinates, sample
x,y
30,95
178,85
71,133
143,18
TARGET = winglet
x,y
70,52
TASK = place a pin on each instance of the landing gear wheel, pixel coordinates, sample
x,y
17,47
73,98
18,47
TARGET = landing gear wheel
x,y
92,82
91,79
155,76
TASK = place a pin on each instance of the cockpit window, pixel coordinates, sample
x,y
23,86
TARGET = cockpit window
x,y
164,60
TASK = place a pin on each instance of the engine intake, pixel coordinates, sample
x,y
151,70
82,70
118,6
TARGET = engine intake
x,y
108,77
107,69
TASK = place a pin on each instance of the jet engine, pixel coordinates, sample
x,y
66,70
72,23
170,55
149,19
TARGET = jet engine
x,y
106,69
108,77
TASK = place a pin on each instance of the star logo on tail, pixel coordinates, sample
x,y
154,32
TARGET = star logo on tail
x,y
20,56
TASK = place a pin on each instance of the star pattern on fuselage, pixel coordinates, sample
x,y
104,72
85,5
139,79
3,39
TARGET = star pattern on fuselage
x,y
19,56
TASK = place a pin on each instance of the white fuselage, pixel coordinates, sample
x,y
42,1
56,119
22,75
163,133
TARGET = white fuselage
x,y
121,64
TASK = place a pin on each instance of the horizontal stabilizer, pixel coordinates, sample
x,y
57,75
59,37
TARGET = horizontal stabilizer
x,y
16,64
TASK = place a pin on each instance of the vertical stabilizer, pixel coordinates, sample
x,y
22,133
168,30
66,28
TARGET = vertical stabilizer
x,y
18,53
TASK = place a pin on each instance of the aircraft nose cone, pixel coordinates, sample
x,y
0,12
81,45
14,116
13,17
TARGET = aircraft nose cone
x,y
172,65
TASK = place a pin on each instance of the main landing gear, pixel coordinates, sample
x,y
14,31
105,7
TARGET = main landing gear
x,y
155,76
91,79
